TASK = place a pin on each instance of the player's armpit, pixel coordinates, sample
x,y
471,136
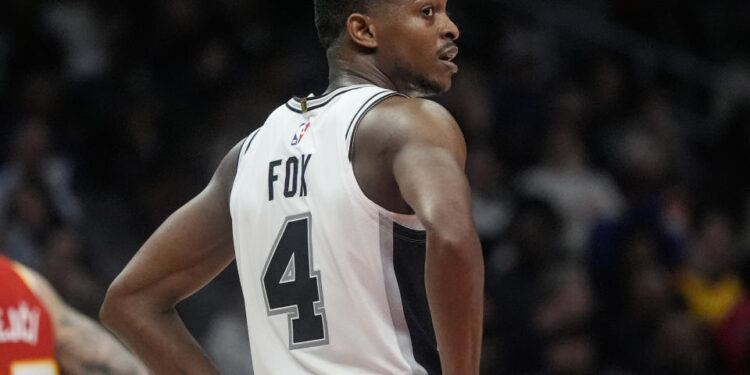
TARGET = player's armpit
x,y
186,252
83,347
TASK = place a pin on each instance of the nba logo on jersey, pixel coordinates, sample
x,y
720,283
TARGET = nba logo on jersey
x,y
300,133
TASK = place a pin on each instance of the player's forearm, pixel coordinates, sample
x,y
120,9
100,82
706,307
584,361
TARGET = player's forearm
x,y
454,277
159,338
83,347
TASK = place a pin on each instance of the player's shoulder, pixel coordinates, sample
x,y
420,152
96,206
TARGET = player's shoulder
x,y
29,277
225,173
402,110
38,285
403,119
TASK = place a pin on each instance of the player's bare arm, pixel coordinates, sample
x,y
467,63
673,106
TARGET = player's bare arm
x,y
81,345
186,252
420,142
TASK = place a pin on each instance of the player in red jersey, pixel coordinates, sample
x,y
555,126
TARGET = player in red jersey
x,y
41,335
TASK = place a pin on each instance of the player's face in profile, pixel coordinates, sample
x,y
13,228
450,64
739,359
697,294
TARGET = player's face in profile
x,y
416,41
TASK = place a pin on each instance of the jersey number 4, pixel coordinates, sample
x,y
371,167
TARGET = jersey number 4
x,y
292,287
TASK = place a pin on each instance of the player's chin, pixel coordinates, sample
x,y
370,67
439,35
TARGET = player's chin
x,y
437,83
429,89
444,84
444,88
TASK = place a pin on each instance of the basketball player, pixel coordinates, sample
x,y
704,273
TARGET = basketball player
x,y
328,208
39,334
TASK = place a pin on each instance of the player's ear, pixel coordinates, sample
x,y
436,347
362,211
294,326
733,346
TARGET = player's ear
x,y
361,30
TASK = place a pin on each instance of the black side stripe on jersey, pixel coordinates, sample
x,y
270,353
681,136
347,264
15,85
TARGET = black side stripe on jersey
x,y
409,247
296,107
369,104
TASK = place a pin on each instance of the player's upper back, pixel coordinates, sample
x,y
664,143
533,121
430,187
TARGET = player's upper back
x,y
305,132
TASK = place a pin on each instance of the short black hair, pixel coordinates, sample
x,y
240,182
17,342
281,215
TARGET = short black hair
x,y
331,16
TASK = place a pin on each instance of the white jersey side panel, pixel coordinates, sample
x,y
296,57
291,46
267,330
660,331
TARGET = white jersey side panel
x,y
315,256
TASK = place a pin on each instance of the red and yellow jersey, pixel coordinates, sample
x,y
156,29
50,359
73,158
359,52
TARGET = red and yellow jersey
x,y
26,332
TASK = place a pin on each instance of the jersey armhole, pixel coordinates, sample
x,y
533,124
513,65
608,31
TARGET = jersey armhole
x,y
245,147
351,132
409,221
240,158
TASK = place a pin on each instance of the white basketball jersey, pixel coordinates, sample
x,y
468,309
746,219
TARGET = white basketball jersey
x,y
332,282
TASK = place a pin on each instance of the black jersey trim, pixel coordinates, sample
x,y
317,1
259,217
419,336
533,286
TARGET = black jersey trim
x,y
319,101
239,155
245,147
358,115
250,142
357,119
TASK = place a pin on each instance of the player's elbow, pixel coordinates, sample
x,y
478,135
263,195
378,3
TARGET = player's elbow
x,y
115,309
458,247
108,312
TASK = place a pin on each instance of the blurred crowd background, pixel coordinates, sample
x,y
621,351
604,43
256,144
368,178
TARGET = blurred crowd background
x,y
609,154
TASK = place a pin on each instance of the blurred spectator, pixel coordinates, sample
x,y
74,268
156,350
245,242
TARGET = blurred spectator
x,y
82,37
515,272
33,160
66,267
581,195
652,233
709,282
492,202
679,348
564,320
30,219
226,339
733,338
625,333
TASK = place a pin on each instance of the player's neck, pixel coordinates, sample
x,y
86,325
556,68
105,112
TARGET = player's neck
x,y
354,70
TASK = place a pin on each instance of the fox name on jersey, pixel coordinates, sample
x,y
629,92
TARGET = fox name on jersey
x,y
294,167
